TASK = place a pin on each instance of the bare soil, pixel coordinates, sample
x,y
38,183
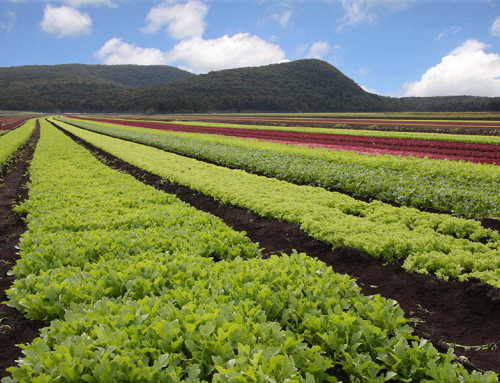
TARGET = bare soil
x,y
14,327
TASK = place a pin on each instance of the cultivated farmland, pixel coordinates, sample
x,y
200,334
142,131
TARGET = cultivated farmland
x,y
136,285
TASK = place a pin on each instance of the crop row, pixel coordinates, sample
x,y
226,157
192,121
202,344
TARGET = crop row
x,y
429,243
484,153
11,141
133,306
11,123
463,189
377,151
323,131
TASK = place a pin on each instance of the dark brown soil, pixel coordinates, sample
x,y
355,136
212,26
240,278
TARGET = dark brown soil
x,y
14,327
446,312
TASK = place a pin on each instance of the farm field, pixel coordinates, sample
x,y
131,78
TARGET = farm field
x,y
418,145
391,122
471,116
10,143
7,124
427,242
459,123
213,308
463,189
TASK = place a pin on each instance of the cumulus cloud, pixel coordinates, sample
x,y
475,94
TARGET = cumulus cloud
x,y
495,28
12,19
318,50
467,70
197,54
115,51
94,3
368,11
225,52
65,22
183,20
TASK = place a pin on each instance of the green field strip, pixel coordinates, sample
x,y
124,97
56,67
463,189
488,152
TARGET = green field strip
x,y
11,141
428,243
128,310
495,140
462,189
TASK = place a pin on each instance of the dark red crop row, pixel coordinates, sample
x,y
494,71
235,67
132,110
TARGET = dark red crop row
x,y
11,123
378,151
439,124
483,153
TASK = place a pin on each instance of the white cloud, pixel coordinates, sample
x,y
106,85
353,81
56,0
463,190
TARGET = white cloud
x,y
283,18
115,51
94,3
468,70
363,72
65,22
369,90
319,49
240,50
495,28
182,19
360,11
197,54
12,19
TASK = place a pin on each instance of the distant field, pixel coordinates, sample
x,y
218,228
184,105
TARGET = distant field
x,y
474,116
487,124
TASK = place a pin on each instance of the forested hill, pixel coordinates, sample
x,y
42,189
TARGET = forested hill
x,y
49,87
299,86
303,85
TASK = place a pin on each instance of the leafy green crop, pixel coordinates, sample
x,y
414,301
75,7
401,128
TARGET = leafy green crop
x,y
137,296
463,189
12,140
346,132
429,243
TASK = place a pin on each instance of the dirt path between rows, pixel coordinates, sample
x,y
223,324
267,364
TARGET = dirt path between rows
x,y
446,312
14,327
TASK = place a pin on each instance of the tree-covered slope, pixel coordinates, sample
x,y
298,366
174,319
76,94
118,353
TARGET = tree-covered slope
x,y
299,86
50,87
303,85
121,75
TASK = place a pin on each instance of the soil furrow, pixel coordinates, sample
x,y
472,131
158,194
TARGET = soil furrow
x,y
445,312
14,327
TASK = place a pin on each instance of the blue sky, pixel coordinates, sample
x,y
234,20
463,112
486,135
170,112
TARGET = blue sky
x,y
390,47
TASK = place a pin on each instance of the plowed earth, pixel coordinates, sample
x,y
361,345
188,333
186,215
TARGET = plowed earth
x,y
478,153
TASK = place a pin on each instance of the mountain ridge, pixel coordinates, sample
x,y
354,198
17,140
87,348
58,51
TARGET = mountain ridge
x,y
308,85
